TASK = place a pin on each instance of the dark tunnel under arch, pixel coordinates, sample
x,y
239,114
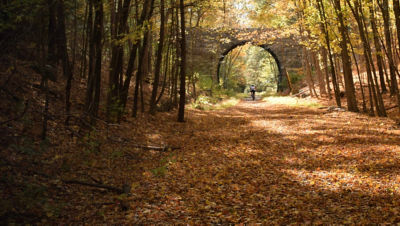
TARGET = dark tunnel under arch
x,y
266,48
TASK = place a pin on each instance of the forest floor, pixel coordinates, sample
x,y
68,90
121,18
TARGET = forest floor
x,y
256,162
283,160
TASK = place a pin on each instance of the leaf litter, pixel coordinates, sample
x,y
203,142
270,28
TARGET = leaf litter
x,y
256,162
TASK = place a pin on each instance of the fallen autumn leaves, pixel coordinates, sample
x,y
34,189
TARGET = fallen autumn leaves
x,y
256,163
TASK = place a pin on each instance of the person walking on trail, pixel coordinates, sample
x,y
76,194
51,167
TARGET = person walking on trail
x,y
253,91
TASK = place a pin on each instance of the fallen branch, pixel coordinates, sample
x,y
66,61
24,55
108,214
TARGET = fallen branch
x,y
390,108
107,187
105,203
144,147
121,140
155,148
73,133
298,94
95,180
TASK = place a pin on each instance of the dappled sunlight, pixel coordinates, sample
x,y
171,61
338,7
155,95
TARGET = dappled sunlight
x,y
367,166
262,159
274,126
340,180
292,101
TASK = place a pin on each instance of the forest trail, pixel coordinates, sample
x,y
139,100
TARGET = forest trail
x,y
90,93
270,163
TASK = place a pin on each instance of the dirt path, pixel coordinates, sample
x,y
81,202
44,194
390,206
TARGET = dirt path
x,y
264,163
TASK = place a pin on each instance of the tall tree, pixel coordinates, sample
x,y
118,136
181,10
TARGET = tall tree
x,y
182,90
95,60
321,81
321,9
378,49
308,70
119,18
396,9
364,104
394,90
140,72
157,68
346,60
63,54
144,16
357,11
51,61
326,71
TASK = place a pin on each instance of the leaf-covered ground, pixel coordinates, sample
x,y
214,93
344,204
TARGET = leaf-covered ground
x,y
257,162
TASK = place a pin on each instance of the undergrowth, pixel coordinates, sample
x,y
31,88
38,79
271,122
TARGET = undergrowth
x,y
214,103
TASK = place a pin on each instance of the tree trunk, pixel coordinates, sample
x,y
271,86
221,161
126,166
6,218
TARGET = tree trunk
x,y
359,76
396,9
167,66
394,91
95,56
326,71
385,68
63,55
51,60
347,72
85,37
339,70
307,67
91,57
378,49
182,91
284,71
145,15
158,64
139,74
119,18
166,72
380,103
336,88
98,42
321,81
373,86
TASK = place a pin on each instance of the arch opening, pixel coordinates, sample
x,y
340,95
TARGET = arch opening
x,y
264,52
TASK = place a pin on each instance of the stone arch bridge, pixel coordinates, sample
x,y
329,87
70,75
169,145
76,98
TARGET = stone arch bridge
x,y
285,49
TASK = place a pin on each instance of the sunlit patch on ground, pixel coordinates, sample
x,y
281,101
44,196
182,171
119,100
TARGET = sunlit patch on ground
x,y
339,181
274,126
292,101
